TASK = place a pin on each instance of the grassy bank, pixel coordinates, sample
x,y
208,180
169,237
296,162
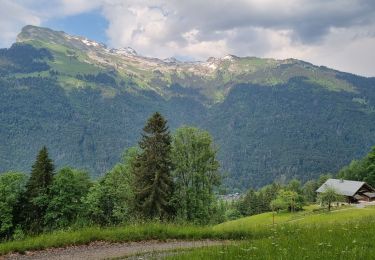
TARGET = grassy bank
x,y
258,229
150,231
306,217
353,240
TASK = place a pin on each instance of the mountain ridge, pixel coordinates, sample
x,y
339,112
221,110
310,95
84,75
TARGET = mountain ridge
x,y
270,119
156,74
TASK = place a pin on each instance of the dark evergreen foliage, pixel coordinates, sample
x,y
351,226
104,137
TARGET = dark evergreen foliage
x,y
38,192
361,170
153,180
256,202
100,78
24,58
370,169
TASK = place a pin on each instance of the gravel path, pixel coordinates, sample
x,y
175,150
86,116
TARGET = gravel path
x,y
104,250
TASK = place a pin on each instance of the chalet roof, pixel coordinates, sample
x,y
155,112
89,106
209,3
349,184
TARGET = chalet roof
x,y
369,194
342,187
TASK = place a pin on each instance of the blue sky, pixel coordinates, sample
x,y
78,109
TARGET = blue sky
x,y
91,25
335,33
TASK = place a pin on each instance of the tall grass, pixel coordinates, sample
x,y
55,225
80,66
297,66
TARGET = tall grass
x,y
307,217
256,228
354,240
149,231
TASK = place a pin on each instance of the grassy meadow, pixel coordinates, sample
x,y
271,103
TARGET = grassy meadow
x,y
353,240
346,232
136,232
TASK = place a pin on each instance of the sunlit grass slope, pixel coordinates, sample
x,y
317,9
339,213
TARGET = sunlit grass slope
x,y
346,233
308,216
293,229
351,240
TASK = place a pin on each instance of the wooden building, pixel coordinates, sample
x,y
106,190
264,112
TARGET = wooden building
x,y
353,191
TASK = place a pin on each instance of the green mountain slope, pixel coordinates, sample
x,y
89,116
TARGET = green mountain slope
x,y
270,118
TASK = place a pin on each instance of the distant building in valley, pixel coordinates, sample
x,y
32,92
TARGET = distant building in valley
x,y
230,197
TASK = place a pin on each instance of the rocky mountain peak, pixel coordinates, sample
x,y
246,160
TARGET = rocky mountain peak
x,y
171,60
41,34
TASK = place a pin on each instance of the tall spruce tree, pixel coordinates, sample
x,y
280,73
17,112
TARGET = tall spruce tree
x,y
153,182
38,192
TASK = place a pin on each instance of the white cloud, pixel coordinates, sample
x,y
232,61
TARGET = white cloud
x,y
315,31
346,49
13,17
72,7
336,33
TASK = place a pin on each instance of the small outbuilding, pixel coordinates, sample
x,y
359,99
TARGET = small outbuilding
x,y
353,191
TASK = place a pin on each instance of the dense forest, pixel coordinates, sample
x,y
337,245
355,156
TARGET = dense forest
x,y
164,178
167,177
289,130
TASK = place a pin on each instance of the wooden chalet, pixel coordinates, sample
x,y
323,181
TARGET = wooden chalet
x,y
353,191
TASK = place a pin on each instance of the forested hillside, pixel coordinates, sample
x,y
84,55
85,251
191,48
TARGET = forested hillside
x,y
270,119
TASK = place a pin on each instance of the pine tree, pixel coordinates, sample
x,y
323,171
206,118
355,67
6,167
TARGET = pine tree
x,y
153,181
38,192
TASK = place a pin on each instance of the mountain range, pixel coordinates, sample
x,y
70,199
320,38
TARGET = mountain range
x,y
270,119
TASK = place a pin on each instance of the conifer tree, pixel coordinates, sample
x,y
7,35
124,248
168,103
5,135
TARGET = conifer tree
x,y
153,181
38,192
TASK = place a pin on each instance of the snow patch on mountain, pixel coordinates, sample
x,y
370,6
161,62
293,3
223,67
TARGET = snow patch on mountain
x,y
127,51
171,60
90,43
229,57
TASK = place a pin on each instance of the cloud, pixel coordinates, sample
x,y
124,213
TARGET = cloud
x,y
73,7
337,33
13,17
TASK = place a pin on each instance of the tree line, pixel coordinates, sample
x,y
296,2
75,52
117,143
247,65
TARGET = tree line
x,y
291,196
361,170
165,178
294,195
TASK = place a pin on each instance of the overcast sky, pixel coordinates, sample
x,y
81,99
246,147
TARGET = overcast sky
x,y
335,33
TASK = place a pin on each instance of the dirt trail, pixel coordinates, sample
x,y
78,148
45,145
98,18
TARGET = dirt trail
x,y
103,250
